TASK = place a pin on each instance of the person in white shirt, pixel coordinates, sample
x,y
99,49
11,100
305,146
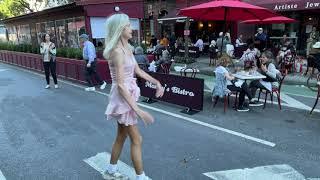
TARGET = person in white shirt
x,y
239,41
199,44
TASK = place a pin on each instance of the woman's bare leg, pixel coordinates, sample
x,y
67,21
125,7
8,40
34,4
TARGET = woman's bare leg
x,y
136,141
118,144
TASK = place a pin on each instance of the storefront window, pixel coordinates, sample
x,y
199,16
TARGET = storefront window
x,y
60,32
3,34
23,32
50,29
12,34
71,32
41,30
81,27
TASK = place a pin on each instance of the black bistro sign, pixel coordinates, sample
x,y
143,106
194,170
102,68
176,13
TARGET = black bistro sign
x,y
183,91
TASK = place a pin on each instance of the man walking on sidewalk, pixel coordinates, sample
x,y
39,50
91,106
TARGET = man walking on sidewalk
x,y
89,55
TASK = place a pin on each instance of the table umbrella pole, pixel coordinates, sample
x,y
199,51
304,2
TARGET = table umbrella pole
x,y
225,28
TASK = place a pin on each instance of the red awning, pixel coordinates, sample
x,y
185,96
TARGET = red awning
x,y
103,8
88,2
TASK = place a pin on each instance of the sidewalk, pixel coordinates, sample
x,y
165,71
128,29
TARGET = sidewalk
x,y
206,72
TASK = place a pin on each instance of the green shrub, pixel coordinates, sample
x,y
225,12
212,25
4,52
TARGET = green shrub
x,y
78,54
35,49
73,53
61,52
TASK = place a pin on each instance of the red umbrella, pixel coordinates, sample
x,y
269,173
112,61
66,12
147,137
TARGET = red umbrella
x,y
227,10
272,20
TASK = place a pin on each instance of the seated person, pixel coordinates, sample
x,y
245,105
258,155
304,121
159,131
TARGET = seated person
x,y
225,83
239,41
285,41
268,69
158,49
141,58
164,59
249,56
285,52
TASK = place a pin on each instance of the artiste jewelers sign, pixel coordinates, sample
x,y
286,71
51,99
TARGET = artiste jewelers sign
x,y
183,91
292,5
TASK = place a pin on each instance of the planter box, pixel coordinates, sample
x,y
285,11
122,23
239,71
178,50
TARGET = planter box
x,y
71,69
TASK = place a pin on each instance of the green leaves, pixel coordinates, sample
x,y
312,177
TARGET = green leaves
x,y
72,53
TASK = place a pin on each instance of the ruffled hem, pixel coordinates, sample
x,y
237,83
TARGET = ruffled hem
x,y
117,105
128,119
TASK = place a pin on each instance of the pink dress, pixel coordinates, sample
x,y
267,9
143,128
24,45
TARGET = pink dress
x,y
118,108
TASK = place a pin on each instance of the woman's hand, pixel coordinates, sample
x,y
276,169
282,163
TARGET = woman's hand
x,y
145,116
160,90
264,68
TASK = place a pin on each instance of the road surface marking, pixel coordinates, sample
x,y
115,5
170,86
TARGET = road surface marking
x,y
251,138
100,161
273,172
2,176
305,96
261,141
1,70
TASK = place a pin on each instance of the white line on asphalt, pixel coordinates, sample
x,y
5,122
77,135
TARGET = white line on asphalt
x,y
2,176
273,172
257,140
291,101
300,95
181,117
100,161
1,70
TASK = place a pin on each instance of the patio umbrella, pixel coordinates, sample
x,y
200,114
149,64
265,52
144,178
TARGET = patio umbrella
x,y
272,20
226,10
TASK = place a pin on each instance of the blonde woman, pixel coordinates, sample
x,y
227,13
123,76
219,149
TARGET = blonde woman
x,y
124,94
48,51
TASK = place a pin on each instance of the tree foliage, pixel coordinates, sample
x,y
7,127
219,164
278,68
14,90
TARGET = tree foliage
x,y
11,8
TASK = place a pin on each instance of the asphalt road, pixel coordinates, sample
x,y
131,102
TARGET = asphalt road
x,y
46,134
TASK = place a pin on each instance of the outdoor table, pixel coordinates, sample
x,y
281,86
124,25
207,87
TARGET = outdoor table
x,y
179,68
245,76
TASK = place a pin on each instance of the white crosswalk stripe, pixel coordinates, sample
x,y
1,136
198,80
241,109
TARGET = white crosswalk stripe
x,y
272,172
2,176
100,161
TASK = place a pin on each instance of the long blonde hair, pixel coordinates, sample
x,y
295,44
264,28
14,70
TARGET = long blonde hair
x,y
114,26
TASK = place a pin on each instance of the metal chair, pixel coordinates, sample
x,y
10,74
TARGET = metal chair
x,y
276,90
226,100
188,72
165,68
318,95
